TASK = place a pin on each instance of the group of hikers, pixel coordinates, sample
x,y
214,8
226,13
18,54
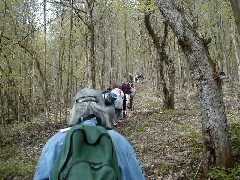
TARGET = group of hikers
x,y
119,97
89,148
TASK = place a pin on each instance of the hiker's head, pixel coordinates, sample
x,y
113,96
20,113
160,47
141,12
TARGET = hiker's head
x,y
109,88
86,102
115,86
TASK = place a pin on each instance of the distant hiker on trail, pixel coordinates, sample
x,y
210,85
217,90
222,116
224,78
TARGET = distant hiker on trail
x,y
130,78
88,120
118,104
126,88
109,99
139,77
129,97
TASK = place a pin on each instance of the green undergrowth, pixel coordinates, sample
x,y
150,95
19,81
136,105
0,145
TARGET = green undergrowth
x,y
15,169
21,145
220,173
234,127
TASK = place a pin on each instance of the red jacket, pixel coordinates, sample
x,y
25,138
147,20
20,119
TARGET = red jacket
x,y
126,88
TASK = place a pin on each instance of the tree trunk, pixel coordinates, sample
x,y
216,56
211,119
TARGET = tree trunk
x,y
91,30
214,122
168,94
2,105
235,45
92,58
126,44
236,12
45,85
111,62
104,54
70,64
61,50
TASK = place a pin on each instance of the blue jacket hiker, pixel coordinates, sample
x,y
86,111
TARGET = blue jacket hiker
x,y
89,109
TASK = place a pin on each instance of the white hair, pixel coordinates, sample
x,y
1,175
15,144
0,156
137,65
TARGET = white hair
x,y
87,102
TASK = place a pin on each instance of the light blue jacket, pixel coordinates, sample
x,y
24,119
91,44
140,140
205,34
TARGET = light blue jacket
x,y
127,162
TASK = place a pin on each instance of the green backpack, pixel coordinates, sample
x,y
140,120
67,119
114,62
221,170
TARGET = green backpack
x,y
87,153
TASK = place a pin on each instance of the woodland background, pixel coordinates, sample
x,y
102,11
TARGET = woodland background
x,y
51,49
45,49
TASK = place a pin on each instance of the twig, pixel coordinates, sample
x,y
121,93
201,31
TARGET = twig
x,y
197,170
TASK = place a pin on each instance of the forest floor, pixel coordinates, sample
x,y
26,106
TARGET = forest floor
x,y
168,144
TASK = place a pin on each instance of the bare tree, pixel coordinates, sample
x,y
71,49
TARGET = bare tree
x,y
85,13
160,45
216,150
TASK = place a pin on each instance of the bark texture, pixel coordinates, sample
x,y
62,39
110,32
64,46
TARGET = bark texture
x,y
236,12
216,150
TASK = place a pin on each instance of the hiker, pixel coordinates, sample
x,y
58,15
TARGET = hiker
x,y
118,104
89,110
130,78
138,77
109,99
129,97
126,88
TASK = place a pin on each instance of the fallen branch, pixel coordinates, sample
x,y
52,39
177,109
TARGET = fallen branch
x,y
197,170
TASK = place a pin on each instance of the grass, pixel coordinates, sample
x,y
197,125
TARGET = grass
x,y
13,168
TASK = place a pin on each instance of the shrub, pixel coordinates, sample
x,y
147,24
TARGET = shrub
x,y
219,173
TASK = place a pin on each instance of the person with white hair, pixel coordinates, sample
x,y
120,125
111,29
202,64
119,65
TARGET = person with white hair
x,y
89,109
118,104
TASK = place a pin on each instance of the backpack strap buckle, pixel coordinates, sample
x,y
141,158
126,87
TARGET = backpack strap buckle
x,y
81,119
